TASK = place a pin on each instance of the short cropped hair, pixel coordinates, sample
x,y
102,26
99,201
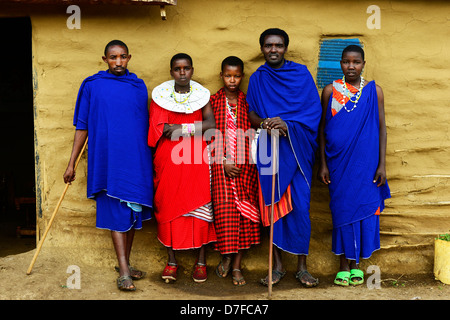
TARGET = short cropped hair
x,y
353,48
180,56
233,61
115,43
275,32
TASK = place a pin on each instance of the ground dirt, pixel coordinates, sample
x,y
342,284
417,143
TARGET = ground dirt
x,y
216,298
49,281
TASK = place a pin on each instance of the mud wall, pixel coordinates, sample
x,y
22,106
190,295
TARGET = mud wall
x,y
408,56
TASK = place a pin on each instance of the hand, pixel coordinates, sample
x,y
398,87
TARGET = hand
x,y
380,176
231,171
172,131
324,174
275,123
69,175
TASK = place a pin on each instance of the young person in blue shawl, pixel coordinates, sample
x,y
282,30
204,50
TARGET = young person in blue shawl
x,y
282,95
111,110
352,142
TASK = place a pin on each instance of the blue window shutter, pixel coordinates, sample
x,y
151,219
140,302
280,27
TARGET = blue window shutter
x,y
329,68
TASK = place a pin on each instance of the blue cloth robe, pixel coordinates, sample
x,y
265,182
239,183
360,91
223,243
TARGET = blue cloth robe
x,y
352,152
289,93
114,110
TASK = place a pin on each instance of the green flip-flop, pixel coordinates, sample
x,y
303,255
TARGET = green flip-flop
x,y
342,278
356,273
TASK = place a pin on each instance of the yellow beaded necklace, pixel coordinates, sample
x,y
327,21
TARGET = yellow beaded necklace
x,y
187,97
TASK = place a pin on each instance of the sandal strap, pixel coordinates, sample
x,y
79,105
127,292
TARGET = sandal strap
x,y
356,273
342,278
221,271
132,269
123,278
239,281
301,273
280,275
343,275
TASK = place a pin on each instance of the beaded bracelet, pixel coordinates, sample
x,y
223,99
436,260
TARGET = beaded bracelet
x,y
184,129
187,129
261,124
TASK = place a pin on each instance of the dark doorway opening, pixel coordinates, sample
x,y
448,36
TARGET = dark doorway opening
x,y
17,164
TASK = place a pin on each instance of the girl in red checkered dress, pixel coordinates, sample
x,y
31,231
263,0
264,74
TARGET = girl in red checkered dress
x,y
234,179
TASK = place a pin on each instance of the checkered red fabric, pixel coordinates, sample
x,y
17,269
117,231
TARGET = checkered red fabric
x,y
233,231
247,182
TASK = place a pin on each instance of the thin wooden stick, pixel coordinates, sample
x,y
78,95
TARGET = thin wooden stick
x,y
38,249
274,170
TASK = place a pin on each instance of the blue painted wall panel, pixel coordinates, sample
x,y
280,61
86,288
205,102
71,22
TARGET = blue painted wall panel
x,y
329,67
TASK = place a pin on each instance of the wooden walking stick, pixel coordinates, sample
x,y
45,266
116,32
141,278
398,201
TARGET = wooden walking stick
x,y
274,138
38,249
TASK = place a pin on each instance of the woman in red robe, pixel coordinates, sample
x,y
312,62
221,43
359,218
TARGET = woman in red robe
x,y
179,113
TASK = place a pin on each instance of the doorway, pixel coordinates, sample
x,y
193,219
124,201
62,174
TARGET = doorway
x,y
17,164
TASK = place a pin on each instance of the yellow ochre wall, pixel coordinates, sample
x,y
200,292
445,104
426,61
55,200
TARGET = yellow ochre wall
x,y
408,57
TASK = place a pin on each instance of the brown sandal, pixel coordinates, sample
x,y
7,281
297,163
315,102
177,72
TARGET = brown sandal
x,y
121,284
276,278
307,284
239,281
221,271
135,273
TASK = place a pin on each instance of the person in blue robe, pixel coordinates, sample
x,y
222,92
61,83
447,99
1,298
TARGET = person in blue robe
x,y
282,96
112,113
352,154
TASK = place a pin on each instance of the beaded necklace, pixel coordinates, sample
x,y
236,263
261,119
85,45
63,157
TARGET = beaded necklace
x,y
181,94
349,96
233,108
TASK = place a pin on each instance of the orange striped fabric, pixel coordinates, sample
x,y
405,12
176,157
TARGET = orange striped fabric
x,y
281,208
339,99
